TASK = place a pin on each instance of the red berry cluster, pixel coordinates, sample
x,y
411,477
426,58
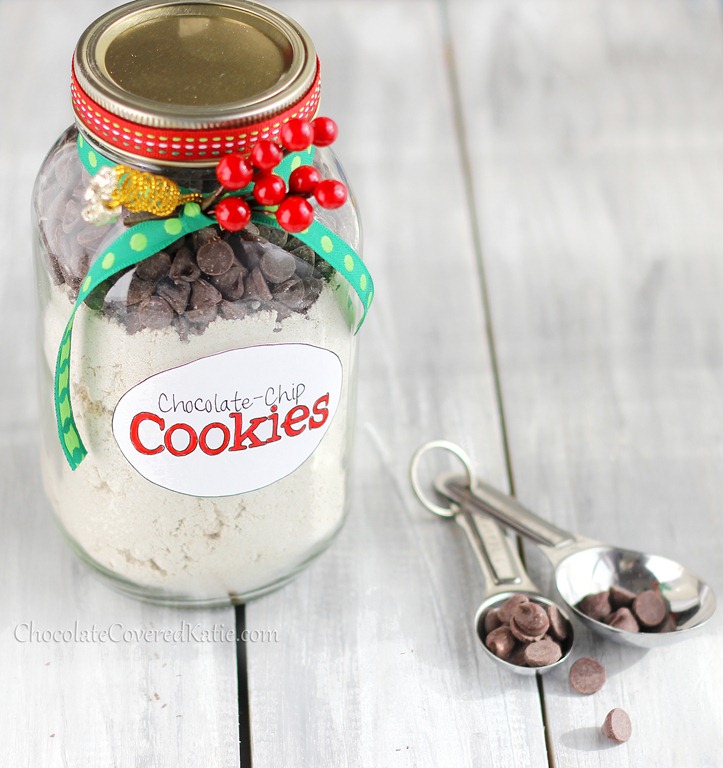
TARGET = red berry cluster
x,y
294,212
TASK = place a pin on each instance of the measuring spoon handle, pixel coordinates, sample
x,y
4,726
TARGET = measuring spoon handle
x,y
503,508
498,560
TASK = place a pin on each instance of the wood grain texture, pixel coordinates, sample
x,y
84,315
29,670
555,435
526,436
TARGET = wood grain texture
x,y
594,140
378,664
594,132
68,702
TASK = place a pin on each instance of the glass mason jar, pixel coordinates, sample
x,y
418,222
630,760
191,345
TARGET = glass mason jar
x,y
197,368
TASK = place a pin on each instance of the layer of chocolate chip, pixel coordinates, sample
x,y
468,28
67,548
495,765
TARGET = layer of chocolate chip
x,y
292,293
273,235
184,267
154,268
155,313
201,317
202,236
257,269
257,287
176,294
617,725
138,290
231,283
215,257
234,310
587,675
542,653
501,642
277,265
623,619
203,296
650,608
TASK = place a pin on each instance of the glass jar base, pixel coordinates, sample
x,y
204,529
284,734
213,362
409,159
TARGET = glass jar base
x,y
163,597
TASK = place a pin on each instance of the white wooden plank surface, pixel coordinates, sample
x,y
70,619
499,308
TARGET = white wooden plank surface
x,y
378,664
595,132
595,136
76,703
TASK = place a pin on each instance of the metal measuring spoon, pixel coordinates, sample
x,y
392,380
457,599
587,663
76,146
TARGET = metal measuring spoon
x,y
584,566
500,564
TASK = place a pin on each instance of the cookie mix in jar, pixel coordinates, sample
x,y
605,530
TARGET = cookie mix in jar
x,y
200,287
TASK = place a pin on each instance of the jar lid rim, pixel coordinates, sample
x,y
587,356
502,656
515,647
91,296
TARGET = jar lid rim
x,y
263,60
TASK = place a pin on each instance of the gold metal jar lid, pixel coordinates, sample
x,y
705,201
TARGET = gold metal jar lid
x,y
174,64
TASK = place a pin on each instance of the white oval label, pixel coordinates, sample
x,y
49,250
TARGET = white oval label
x,y
232,422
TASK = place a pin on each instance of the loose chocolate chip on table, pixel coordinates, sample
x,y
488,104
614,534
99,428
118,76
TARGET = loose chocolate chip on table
x,y
505,610
623,619
542,653
155,313
215,257
501,642
529,622
596,606
587,675
617,725
184,267
650,608
154,268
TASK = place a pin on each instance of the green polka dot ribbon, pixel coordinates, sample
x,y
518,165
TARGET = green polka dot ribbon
x,y
147,238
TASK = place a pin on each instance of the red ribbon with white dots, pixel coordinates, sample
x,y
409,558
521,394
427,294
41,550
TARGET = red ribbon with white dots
x,y
184,146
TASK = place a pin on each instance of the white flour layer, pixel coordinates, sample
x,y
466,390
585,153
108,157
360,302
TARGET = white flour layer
x,y
197,547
